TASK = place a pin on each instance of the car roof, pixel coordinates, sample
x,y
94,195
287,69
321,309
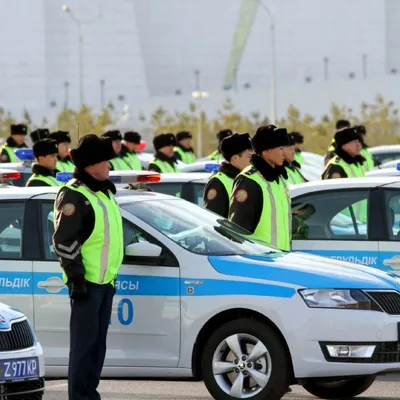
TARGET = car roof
x,y
385,148
18,166
184,177
344,183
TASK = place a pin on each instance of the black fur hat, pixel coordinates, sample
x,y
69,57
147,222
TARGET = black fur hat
x,y
61,136
345,136
114,135
269,137
183,135
18,129
132,137
235,144
39,134
44,147
163,140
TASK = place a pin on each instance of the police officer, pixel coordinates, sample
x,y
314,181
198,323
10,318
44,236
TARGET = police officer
x,y
340,124
236,150
117,163
88,240
369,159
183,149
260,201
15,141
298,141
291,165
347,161
221,135
128,150
39,134
164,160
64,162
44,169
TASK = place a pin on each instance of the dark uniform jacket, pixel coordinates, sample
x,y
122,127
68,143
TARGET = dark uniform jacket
x,y
341,154
216,199
40,170
162,157
4,158
74,223
178,156
247,211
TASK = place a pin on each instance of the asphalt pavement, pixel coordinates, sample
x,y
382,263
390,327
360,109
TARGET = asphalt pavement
x,y
387,387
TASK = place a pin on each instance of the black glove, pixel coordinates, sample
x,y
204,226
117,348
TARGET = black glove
x,y
77,288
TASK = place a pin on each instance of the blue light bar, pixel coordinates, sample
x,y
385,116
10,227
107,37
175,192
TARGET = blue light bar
x,y
398,167
25,154
119,176
64,176
212,167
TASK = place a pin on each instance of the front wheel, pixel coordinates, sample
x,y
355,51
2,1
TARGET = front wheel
x,y
246,359
341,389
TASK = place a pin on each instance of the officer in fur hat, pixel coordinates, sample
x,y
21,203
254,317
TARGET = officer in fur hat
x,y
183,149
39,134
221,135
117,163
236,150
340,125
164,159
88,240
15,141
369,159
44,168
128,150
298,139
347,161
64,162
293,168
260,201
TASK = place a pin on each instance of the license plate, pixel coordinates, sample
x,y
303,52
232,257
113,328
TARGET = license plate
x,y
19,368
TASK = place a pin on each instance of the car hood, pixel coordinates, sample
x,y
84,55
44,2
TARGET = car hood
x,y
304,270
8,314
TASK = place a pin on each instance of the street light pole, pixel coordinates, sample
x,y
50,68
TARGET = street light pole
x,y
197,94
273,63
80,24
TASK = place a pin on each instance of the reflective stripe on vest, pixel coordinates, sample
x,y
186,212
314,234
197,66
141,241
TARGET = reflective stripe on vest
x,y
164,166
119,164
369,163
49,180
216,155
351,170
132,160
275,225
186,156
294,176
225,180
103,252
10,152
65,166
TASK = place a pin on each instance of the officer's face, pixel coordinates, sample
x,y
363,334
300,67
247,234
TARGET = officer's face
x,y
48,161
63,149
131,146
353,148
242,160
186,143
289,153
117,146
19,139
275,156
99,171
167,151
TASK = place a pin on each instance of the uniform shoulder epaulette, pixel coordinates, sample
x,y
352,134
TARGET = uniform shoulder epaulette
x,y
77,183
337,159
251,171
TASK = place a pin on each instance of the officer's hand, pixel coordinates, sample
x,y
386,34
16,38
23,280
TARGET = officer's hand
x,y
78,289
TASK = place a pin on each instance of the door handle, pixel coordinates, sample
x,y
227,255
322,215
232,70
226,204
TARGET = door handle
x,y
52,284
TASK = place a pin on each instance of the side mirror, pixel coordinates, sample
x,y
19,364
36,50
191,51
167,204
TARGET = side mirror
x,y
143,249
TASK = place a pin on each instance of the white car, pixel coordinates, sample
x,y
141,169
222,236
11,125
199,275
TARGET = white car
x,y
22,368
383,154
356,220
196,298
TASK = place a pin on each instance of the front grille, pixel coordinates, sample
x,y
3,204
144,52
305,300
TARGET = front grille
x,y
25,390
19,337
385,353
388,301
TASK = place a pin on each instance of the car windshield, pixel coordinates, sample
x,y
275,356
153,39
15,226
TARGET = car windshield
x,y
195,229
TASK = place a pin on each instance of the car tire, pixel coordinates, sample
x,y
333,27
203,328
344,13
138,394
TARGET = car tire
x,y
343,389
266,372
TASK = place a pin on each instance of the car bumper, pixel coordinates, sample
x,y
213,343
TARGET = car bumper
x,y
309,334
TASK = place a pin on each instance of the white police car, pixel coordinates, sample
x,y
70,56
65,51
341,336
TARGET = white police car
x,y
326,213
385,153
196,298
22,367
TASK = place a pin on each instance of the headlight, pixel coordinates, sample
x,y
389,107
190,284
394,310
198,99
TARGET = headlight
x,y
352,299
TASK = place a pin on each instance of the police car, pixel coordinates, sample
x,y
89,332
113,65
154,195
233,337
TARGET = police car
x,y
22,367
196,298
327,215
383,154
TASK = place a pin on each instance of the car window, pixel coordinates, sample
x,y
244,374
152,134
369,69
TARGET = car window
x,y
48,231
198,189
328,216
392,207
385,157
11,222
172,189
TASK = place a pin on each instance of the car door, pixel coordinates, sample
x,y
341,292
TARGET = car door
x,y
16,286
336,224
145,325
389,245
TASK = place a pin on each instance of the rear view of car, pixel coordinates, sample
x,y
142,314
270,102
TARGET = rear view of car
x,y
21,358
